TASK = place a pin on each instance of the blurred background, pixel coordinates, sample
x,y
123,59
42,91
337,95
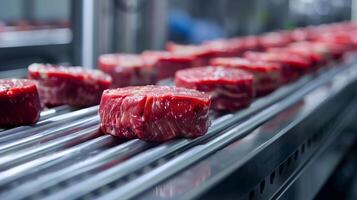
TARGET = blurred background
x,y
76,32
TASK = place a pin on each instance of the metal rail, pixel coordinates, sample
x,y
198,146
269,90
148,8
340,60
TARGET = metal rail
x,y
52,122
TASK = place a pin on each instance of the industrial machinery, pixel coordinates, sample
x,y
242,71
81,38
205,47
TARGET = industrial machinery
x,y
286,145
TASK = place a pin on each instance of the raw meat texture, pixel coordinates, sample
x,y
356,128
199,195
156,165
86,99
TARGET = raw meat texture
x,y
230,89
300,34
336,50
154,113
250,43
274,39
127,69
74,86
167,63
317,60
329,51
337,36
266,75
319,50
224,47
203,53
293,66
341,38
19,102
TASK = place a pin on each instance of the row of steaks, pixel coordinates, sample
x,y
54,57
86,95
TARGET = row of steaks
x,y
224,75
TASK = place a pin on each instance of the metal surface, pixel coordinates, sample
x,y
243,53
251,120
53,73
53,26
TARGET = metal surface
x,y
35,38
109,26
15,73
85,27
65,157
19,48
306,182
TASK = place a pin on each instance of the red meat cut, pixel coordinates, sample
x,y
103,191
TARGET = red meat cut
x,y
19,102
293,66
74,86
230,89
154,113
317,60
328,53
127,69
224,47
299,34
167,63
203,53
336,50
266,75
274,39
321,50
250,43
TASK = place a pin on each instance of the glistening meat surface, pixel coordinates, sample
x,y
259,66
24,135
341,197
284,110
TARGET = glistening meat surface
x,y
231,89
19,102
74,86
127,69
165,63
293,66
154,113
267,76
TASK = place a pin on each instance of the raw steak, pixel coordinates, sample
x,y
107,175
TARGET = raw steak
x,y
224,47
19,102
167,63
154,113
274,39
127,69
341,38
266,75
203,53
320,50
74,86
250,43
299,34
230,89
336,50
293,66
317,60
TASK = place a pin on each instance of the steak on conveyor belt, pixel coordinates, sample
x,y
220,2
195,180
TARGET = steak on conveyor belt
x,y
250,43
274,39
202,54
19,102
230,89
319,48
74,86
127,69
317,59
154,113
293,66
167,63
266,75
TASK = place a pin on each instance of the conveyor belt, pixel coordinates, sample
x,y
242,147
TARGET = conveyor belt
x,y
65,157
